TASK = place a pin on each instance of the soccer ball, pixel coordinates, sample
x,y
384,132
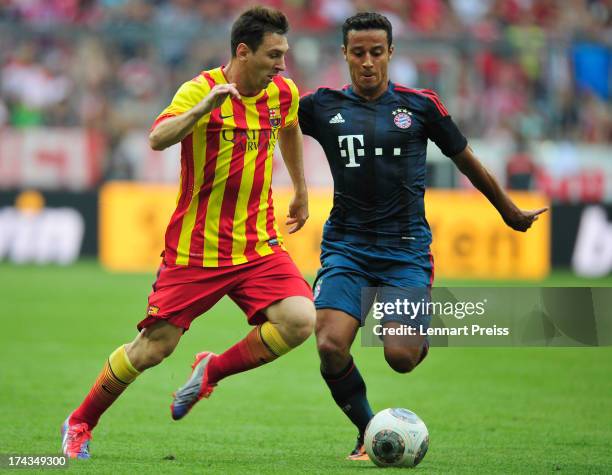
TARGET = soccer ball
x,y
396,438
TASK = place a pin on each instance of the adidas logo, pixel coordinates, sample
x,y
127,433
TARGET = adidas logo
x,y
337,119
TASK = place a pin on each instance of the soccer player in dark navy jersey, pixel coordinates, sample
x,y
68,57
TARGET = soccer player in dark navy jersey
x,y
374,133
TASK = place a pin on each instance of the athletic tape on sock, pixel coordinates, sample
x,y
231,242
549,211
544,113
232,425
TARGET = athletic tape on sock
x,y
121,366
273,339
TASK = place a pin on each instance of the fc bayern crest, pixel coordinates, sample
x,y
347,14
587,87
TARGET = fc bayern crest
x,y
275,117
401,118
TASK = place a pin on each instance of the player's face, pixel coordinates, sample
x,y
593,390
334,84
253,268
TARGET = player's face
x,y
267,61
367,54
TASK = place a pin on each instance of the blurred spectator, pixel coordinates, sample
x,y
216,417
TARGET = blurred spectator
x,y
538,68
520,167
592,67
33,86
3,114
181,25
471,12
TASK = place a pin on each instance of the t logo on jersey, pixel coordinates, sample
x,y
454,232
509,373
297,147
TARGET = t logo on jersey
x,y
350,148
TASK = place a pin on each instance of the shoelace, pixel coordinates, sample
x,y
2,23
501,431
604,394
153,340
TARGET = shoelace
x,y
78,434
359,448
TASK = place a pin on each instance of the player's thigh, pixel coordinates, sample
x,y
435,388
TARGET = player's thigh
x,y
273,289
180,294
414,270
405,325
343,297
405,315
346,288
161,332
405,292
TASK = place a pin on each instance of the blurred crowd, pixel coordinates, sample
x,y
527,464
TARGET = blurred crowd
x,y
538,69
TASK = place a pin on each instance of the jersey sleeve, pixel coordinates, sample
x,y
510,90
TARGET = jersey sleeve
x,y
440,127
292,114
187,96
306,114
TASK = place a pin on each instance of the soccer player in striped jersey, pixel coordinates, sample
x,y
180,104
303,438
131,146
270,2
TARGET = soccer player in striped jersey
x,y
374,133
222,238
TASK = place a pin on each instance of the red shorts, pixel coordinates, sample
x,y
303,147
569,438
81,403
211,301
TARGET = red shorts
x,y
180,294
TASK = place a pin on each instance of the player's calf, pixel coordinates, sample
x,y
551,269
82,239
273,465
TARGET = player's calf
x,y
290,323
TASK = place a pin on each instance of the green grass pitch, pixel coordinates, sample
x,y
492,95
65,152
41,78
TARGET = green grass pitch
x,y
513,410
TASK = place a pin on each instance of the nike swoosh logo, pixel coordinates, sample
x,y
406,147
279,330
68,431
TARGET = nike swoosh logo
x,y
227,116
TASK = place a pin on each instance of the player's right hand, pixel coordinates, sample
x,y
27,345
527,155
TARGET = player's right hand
x,y
298,212
218,94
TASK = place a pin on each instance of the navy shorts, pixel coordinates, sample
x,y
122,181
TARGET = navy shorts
x,y
353,275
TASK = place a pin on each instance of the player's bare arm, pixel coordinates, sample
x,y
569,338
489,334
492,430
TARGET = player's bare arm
x,y
175,129
291,145
485,182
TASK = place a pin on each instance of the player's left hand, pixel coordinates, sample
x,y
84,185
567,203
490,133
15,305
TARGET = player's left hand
x,y
521,220
298,212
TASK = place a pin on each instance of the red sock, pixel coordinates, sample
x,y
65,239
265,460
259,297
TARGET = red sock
x,y
248,353
115,376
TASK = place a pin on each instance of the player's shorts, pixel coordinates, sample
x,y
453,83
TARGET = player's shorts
x,y
386,273
182,293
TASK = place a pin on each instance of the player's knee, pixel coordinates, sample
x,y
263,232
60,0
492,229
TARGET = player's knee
x,y
402,360
145,356
303,326
300,323
160,351
331,349
145,353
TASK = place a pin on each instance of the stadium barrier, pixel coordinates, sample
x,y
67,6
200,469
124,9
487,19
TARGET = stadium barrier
x,y
582,238
51,158
470,239
51,227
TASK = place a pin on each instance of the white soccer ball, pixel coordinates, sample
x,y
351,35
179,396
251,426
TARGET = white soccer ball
x,y
396,438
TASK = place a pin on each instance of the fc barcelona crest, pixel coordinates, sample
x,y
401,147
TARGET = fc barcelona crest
x,y
401,118
275,117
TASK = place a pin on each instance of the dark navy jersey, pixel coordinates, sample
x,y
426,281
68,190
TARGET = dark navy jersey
x,y
376,151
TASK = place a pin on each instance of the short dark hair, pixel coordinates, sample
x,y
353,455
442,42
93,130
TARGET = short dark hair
x,y
254,23
367,21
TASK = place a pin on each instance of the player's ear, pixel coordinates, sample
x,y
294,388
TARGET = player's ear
x,y
391,50
343,51
242,51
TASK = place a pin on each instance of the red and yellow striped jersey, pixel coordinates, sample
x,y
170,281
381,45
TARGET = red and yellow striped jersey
x,y
224,213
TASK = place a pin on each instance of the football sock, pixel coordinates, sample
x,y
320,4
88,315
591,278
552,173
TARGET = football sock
x,y
349,391
263,344
116,375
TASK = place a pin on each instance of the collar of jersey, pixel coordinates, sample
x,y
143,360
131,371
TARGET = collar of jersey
x,y
387,94
245,99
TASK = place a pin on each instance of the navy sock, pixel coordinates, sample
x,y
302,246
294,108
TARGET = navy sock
x,y
349,391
